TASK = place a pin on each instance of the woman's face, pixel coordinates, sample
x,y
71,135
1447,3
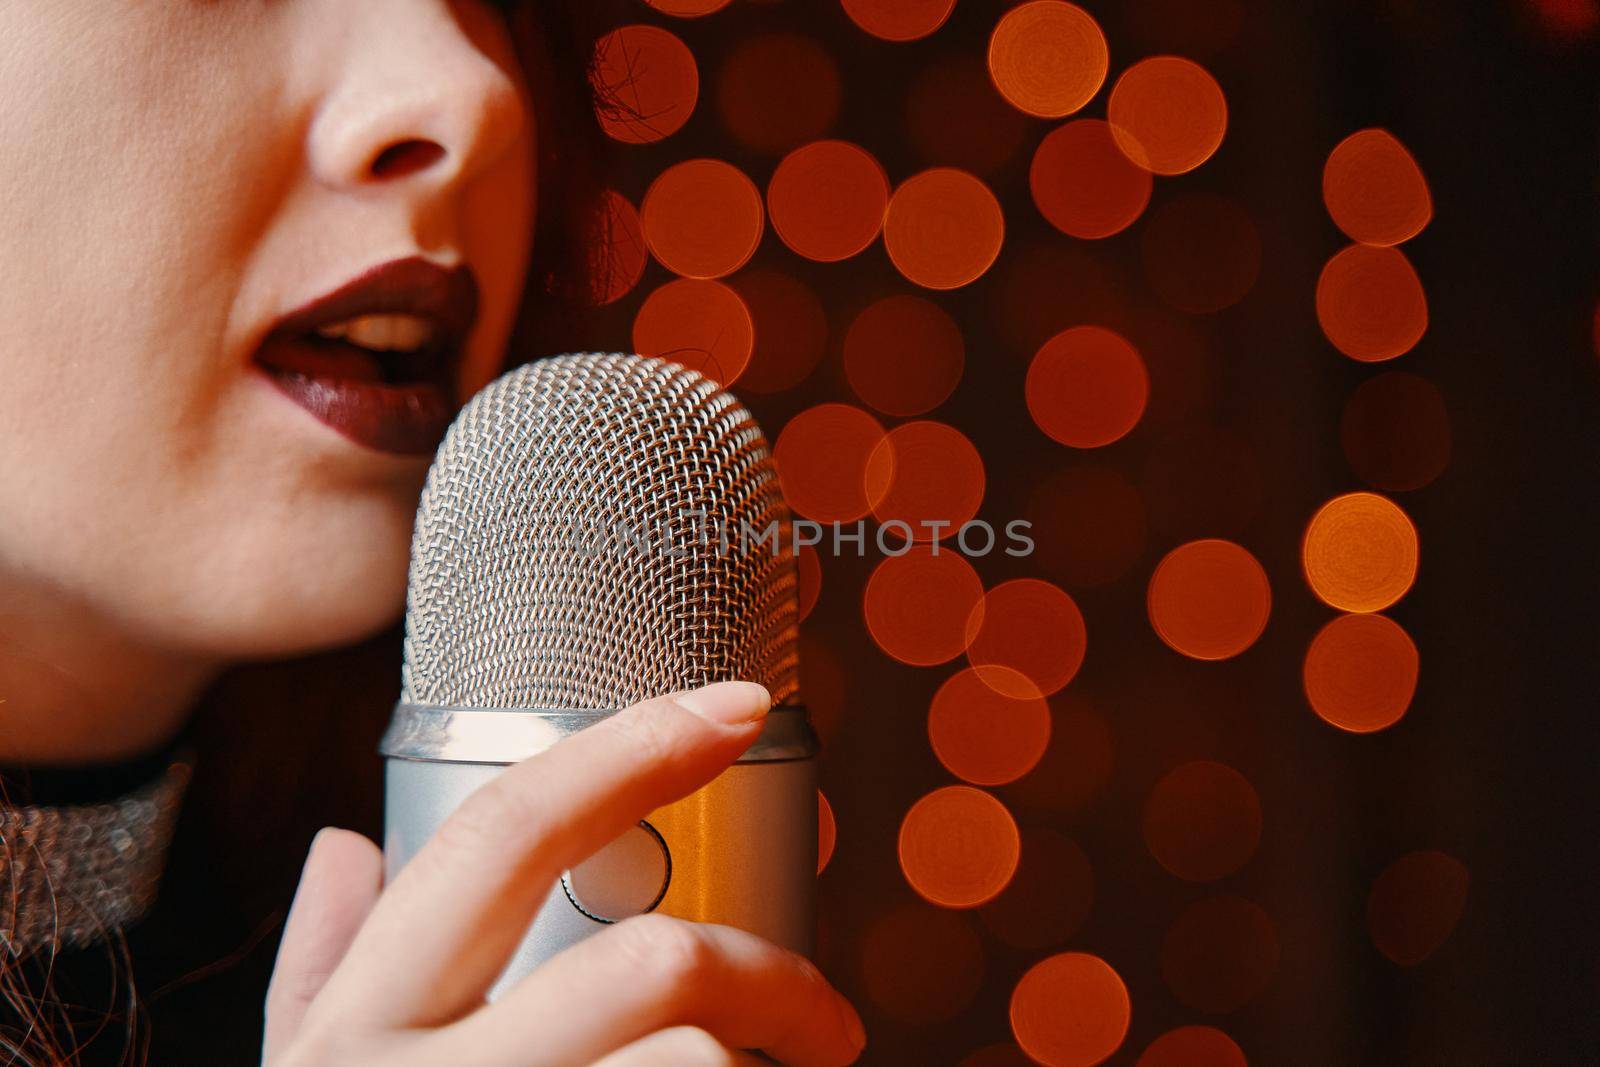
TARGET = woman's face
x,y
252,254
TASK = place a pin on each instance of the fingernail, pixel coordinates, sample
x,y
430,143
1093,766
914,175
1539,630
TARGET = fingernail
x,y
728,703
852,1024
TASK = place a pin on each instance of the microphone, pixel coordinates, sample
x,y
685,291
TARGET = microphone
x,y
596,530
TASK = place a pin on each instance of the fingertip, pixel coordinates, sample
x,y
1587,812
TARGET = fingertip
x,y
728,703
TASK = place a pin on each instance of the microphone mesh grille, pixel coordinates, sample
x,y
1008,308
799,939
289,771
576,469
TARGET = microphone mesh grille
x,y
559,558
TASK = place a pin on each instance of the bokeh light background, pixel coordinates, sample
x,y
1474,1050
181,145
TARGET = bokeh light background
x,y
1184,284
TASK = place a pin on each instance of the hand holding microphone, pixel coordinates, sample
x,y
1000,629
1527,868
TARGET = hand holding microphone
x,y
399,977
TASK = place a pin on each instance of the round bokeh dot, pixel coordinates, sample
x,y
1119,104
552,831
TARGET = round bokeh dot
x,y
1361,673
903,355
822,455
1360,552
688,9
925,480
958,847
1371,304
1209,599
1083,184
1203,821
702,218
1087,387
916,605
1193,1046
1220,954
1031,627
1071,1010
777,91
646,83
620,254
943,228
1374,189
1167,114
899,20
791,329
1201,252
1048,58
701,324
827,200
1415,904
1396,432
827,832
987,733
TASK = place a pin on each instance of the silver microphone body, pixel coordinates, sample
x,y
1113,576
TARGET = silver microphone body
x,y
597,530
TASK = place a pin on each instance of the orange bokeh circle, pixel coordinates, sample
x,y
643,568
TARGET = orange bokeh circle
x,y
1361,672
1087,387
619,255
688,9
1374,189
958,847
1201,252
943,228
777,91
899,20
701,324
1396,431
1360,552
1209,599
1071,1010
1220,954
904,355
927,476
1048,58
1371,304
1203,821
1415,904
702,218
1193,1046
984,734
827,832
1168,114
646,83
827,200
1033,628
916,605
822,456
1083,184
791,329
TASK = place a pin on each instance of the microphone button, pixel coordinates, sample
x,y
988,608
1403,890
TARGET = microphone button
x,y
625,878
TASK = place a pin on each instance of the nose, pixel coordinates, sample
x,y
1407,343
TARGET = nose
x,y
421,94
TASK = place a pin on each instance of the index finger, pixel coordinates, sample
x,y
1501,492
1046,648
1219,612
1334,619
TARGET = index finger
x,y
443,931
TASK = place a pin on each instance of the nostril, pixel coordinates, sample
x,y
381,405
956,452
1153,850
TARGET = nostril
x,y
406,157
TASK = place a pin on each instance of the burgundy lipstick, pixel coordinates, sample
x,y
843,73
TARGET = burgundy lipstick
x,y
377,359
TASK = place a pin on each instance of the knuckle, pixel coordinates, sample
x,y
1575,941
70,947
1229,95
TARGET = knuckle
x,y
493,816
657,732
667,954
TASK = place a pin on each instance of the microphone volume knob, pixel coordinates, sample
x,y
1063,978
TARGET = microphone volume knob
x,y
627,877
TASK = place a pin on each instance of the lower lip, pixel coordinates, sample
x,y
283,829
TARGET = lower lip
x,y
407,419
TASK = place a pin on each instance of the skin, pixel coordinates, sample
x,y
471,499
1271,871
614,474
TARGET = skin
x,y
178,175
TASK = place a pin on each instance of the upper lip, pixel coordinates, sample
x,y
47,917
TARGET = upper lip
x,y
446,296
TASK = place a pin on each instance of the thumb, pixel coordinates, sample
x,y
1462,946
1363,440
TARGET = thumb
x,y
339,885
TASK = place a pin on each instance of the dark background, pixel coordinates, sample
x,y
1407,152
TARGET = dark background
x,y
1494,762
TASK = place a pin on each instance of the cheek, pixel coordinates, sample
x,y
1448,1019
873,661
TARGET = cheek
x,y
498,216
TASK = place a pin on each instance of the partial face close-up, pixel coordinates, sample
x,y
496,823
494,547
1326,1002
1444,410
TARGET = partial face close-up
x,y
257,254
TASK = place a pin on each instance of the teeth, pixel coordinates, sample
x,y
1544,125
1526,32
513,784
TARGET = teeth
x,y
381,333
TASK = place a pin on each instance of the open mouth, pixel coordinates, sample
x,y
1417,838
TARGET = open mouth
x,y
378,359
